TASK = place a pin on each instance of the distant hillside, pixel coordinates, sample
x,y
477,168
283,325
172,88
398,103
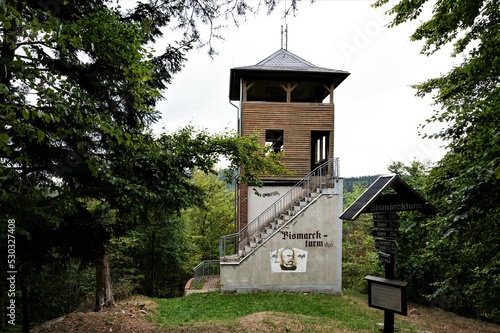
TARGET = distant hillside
x,y
364,181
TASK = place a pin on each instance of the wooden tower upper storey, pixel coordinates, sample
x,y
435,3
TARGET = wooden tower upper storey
x,y
290,103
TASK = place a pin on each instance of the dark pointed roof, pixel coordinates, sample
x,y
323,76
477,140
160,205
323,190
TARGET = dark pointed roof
x,y
283,65
373,201
282,59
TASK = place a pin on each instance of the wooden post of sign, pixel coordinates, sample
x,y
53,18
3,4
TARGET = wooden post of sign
x,y
389,315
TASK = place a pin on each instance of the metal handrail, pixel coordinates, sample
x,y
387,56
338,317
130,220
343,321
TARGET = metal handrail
x,y
206,268
319,178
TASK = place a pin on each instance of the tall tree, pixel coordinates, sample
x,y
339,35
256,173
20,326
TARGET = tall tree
x,y
79,84
466,182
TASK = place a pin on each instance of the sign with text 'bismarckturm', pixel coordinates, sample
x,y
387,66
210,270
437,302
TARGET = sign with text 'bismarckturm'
x,y
386,293
401,198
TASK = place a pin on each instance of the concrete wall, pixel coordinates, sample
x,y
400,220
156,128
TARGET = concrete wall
x,y
267,195
312,240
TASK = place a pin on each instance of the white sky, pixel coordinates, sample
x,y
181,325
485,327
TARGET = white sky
x,y
377,113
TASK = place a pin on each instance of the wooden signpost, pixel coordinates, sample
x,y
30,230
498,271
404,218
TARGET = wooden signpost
x,y
387,293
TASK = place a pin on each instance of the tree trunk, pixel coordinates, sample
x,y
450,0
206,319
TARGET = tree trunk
x,y
9,37
153,265
104,292
2,308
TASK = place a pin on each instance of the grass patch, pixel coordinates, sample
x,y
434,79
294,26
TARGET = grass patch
x,y
348,312
199,285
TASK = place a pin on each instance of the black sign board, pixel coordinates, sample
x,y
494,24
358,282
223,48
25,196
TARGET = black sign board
x,y
386,216
385,233
385,257
385,293
395,203
386,245
388,295
384,224
374,201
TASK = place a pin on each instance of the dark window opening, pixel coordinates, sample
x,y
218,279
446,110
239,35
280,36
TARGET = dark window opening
x,y
320,148
274,139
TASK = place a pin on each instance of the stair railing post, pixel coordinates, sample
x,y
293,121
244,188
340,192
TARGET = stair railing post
x,y
308,186
275,219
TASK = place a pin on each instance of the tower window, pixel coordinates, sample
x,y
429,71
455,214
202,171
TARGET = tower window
x,y
274,139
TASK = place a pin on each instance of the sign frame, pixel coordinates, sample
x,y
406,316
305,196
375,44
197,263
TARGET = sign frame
x,y
388,295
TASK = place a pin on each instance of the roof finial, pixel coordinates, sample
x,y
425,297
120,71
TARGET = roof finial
x,y
285,32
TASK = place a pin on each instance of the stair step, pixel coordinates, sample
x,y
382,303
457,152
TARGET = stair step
x,y
231,258
271,228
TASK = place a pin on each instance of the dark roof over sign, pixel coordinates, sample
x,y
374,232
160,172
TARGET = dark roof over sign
x,y
283,65
373,201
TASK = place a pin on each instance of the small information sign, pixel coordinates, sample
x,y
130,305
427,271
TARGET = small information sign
x,y
386,233
385,257
386,216
386,245
388,295
386,224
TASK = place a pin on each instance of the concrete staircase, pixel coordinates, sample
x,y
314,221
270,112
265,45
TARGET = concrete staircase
x,y
249,239
273,225
236,247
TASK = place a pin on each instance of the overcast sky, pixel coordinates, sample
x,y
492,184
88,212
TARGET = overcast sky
x,y
377,113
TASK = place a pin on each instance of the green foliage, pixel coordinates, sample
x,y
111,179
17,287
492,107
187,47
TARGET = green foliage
x,y
61,290
79,86
463,242
359,256
362,181
212,219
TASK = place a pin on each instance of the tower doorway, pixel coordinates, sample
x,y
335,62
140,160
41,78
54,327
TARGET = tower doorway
x,y
320,148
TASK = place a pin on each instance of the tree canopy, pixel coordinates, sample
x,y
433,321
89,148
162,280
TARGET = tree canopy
x,y
465,183
79,86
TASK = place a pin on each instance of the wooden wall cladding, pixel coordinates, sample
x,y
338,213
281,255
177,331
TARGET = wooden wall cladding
x,y
297,120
